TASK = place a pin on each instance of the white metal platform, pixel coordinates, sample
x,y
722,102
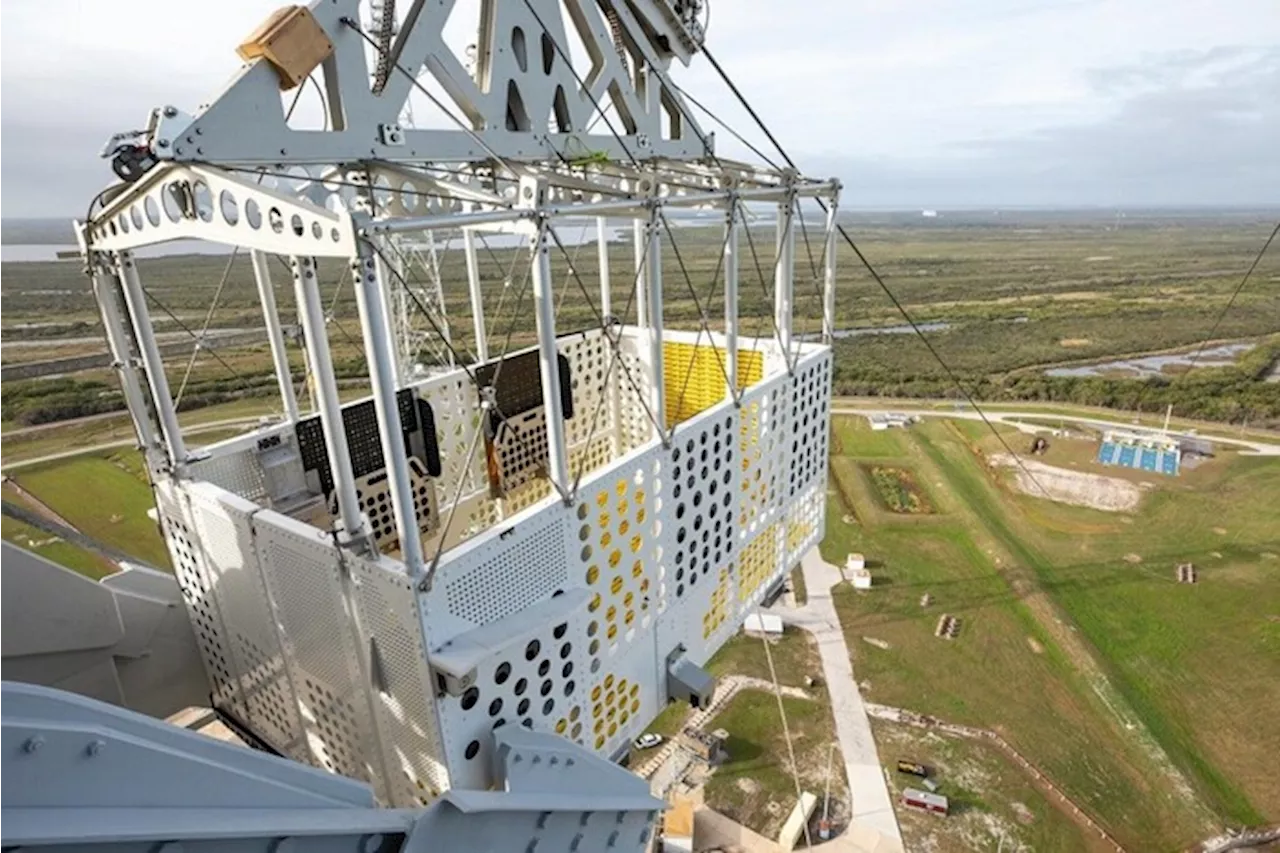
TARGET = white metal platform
x,y
556,538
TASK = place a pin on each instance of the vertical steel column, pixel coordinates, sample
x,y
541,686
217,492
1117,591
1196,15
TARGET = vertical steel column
x,y
606,310
477,296
398,307
275,334
307,291
783,275
557,448
106,290
731,298
602,250
382,372
653,294
829,278
640,228
145,337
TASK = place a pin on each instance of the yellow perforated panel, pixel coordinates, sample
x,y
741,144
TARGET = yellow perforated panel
x,y
716,613
612,531
797,532
613,701
693,377
757,562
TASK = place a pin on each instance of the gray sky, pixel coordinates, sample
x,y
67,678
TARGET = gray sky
x,y
923,104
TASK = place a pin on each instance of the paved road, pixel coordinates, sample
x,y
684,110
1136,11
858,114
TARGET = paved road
x,y
1015,419
874,825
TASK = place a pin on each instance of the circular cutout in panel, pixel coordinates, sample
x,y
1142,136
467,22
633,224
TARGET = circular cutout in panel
x,y
253,214
473,749
135,214
502,673
276,220
172,199
470,697
228,207
152,209
531,650
203,201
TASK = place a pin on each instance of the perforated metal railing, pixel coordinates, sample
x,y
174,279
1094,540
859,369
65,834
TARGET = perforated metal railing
x,y
328,656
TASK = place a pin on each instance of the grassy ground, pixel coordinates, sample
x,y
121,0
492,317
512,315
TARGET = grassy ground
x,y
1197,663
1006,670
755,786
50,547
105,497
992,801
794,658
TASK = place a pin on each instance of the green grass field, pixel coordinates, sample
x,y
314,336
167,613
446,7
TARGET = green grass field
x,y
755,786
1035,584
105,497
989,796
1201,663
50,547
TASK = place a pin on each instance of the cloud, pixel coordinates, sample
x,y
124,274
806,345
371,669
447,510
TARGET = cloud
x,y
1030,102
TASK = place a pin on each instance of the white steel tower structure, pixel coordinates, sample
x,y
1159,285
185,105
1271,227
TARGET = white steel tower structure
x,y
556,537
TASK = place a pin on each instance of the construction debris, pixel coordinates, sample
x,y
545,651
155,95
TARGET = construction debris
x,y
926,600
878,643
1186,573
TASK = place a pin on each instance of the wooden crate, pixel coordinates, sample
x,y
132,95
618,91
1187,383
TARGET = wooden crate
x,y
292,40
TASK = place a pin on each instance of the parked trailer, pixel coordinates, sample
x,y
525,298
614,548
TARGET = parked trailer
x,y
935,803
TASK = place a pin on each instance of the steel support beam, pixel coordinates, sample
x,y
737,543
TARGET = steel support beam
x,y
144,335
106,288
731,300
477,295
602,250
307,291
374,325
783,276
275,334
653,296
640,228
557,446
829,277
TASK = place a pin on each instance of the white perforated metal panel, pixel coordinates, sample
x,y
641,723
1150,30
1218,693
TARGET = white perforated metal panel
x,y
197,592
237,471
403,699
224,525
302,570
663,549
535,680
488,579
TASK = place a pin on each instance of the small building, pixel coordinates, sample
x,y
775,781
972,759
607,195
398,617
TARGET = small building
x,y
925,801
884,420
762,625
709,746
1142,450
860,578
855,562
